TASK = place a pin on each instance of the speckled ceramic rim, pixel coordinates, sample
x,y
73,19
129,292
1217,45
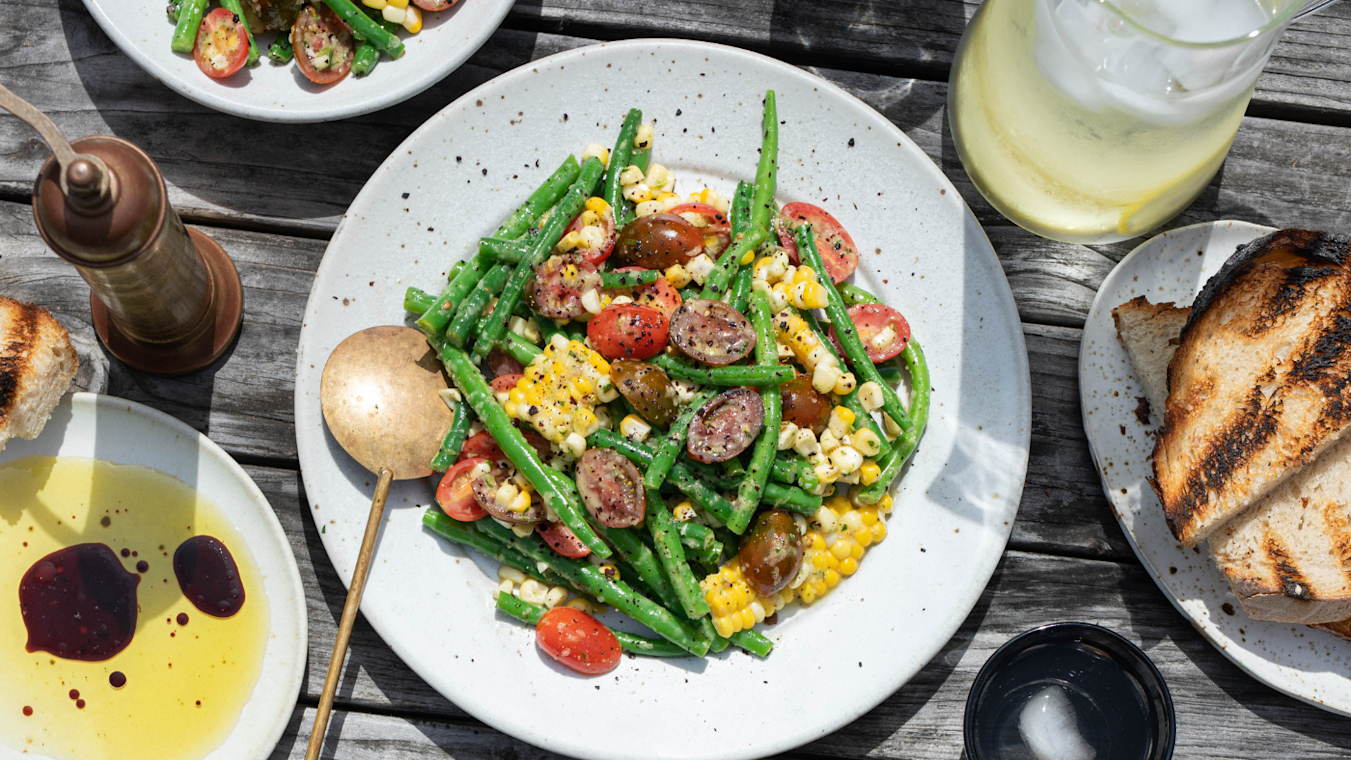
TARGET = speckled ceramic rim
x,y
1142,669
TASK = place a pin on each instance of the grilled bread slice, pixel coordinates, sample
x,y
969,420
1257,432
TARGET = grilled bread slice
x,y
1150,334
1261,380
37,364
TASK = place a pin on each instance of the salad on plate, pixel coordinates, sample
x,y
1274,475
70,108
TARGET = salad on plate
x,y
678,408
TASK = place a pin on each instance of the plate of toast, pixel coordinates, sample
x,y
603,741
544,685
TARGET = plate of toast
x,y
1215,382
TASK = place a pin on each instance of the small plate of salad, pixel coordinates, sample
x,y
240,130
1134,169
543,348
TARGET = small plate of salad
x,y
740,402
299,60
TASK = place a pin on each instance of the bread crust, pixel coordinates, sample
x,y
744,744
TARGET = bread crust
x,y
37,365
1261,380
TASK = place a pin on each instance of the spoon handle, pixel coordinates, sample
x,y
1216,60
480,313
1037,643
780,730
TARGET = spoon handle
x,y
349,613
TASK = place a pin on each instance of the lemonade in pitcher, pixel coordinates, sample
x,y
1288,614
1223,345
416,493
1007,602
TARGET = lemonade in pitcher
x,y
1092,122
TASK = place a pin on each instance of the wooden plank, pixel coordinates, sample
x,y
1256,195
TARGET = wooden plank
x,y
1308,77
1221,712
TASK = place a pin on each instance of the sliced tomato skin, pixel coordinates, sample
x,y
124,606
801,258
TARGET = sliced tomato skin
x,y
561,539
659,295
457,498
326,20
577,641
504,383
483,446
596,255
870,319
833,242
717,223
628,331
434,5
222,20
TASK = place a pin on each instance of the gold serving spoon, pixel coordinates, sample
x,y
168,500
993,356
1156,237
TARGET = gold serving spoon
x,y
380,395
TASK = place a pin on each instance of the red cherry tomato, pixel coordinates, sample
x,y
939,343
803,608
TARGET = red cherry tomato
x,y
577,641
832,240
433,5
561,539
628,331
659,295
323,45
607,226
222,45
503,383
871,319
455,493
482,446
502,363
715,223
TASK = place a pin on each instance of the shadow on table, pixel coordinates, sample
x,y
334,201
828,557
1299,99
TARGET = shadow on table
x,y
913,37
240,167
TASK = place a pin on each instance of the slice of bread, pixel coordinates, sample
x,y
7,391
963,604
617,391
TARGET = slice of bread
x,y
37,364
1259,383
1286,559
1150,334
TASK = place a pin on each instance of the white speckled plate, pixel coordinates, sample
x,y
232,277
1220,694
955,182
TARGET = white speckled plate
x,y
1305,663
268,92
461,173
125,432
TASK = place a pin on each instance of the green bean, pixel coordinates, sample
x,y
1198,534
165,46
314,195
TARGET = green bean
x,y
641,158
363,26
520,349
710,557
695,536
864,369
548,329
234,7
741,208
668,449
619,161
495,420
704,626
511,251
715,284
471,308
854,295
454,440
850,400
280,51
762,200
365,58
629,279
619,595
741,289
643,562
630,576
185,31
792,499
545,197
767,447
466,534
436,318
753,642
417,300
672,556
731,375
892,463
786,468
491,331
173,8
531,613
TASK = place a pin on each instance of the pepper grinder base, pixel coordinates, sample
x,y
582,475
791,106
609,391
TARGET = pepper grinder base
x,y
206,344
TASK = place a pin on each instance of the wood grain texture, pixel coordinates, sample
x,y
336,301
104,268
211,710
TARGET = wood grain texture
x,y
923,719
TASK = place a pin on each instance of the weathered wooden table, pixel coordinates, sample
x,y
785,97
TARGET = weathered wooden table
x,y
272,195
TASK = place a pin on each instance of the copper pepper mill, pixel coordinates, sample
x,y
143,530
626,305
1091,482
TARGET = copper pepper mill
x,y
166,300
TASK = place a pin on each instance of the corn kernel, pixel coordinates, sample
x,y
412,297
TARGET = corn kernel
x,y
638,193
598,205
509,573
825,376
398,3
647,208
846,384
393,13
863,536
848,566
376,4
869,472
840,549
643,138
555,597
505,587
832,578
631,175
533,591
569,242
634,428
668,201
412,19
678,276
584,422
597,151
846,458
879,531
684,512
870,396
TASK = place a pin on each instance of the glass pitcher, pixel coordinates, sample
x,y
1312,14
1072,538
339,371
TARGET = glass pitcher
x,y
1091,121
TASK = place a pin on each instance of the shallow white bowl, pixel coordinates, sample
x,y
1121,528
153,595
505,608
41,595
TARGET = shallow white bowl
x,y
125,432
268,92
1297,660
461,173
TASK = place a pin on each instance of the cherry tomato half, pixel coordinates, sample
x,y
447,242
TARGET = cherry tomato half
x,y
561,539
503,383
607,227
659,295
871,319
482,446
222,45
715,224
455,493
628,331
832,240
323,45
433,5
577,641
